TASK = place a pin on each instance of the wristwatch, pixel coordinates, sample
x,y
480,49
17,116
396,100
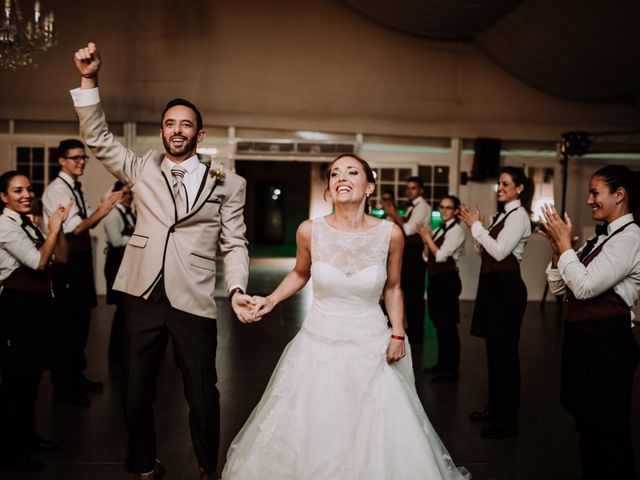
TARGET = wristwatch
x,y
234,291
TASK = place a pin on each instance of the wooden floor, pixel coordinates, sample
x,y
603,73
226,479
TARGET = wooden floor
x,y
92,439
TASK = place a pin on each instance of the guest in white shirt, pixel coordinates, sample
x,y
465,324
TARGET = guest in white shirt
x,y
442,249
25,306
413,268
502,298
73,282
119,225
601,282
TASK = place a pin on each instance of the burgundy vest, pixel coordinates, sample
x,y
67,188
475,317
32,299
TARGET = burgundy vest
x,y
449,265
490,264
607,304
25,279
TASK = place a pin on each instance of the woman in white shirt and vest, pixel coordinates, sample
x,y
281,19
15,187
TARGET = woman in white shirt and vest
x,y
600,355
502,298
442,249
25,306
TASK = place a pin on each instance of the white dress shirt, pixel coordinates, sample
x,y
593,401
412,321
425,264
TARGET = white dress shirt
x,y
16,248
114,225
58,193
192,178
453,244
617,265
513,237
420,213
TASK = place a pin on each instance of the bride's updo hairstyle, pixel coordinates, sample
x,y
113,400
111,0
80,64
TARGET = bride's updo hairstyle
x,y
371,178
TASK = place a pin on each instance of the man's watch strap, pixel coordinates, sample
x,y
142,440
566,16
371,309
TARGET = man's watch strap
x,y
234,291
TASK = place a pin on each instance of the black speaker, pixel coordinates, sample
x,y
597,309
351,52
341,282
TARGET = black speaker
x,y
486,160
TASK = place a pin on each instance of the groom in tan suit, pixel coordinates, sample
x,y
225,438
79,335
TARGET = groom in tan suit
x,y
187,205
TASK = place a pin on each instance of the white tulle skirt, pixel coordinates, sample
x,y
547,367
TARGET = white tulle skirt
x,y
335,410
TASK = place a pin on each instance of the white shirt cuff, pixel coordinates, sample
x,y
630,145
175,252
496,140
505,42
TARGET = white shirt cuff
x,y
477,229
84,97
236,285
569,256
553,273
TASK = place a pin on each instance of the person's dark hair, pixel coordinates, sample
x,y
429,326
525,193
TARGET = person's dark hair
x,y
5,180
118,186
388,191
456,201
69,144
368,172
520,178
619,176
185,103
417,180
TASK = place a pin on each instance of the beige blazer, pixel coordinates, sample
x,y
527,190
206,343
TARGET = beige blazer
x,y
182,249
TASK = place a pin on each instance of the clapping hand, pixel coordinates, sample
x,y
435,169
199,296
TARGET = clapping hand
x,y
424,230
109,200
58,217
556,230
470,217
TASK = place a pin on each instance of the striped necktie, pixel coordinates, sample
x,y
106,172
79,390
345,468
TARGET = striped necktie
x,y
179,190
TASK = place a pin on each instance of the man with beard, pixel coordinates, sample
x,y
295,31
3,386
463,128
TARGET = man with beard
x,y
187,204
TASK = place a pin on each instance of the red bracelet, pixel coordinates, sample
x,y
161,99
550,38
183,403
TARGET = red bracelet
x,y
397,337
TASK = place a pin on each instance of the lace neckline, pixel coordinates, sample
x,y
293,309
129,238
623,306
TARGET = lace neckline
x,y
350,233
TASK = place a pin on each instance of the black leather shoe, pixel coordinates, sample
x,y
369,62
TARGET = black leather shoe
x,y
21,463
483,416
499,430
89,386
434,369
76,399
157,473
446,377
39,444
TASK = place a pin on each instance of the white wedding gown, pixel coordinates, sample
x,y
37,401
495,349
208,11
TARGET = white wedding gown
x,y
334,408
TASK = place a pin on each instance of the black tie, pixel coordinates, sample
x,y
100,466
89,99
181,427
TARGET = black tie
x,y
129,212
601,229
78,186
26,222
81,205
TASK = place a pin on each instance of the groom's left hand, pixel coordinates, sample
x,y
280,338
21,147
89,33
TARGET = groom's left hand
x,y
242,305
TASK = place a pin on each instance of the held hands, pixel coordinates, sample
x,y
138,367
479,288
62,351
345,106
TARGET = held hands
x,y
87,61
243,306
395,350
470,217
556,230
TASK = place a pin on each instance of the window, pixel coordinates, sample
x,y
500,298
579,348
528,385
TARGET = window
x,y
35,163
391,179
436,182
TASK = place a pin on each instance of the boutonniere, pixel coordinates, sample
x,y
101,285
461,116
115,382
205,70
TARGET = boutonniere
x,y
217,174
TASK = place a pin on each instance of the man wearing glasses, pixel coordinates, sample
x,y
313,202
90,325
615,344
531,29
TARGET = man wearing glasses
x,y
73,282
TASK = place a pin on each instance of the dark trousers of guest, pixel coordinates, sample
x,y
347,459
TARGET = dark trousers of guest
x,y
116,339
413,285
443,291
149,324
24,342
503,363
500,305
75,297
18,395
599,360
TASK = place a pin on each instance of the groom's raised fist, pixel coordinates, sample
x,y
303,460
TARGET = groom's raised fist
x,y
87,61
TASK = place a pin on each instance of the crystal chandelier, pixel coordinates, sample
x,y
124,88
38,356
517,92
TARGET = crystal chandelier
x,y
19,40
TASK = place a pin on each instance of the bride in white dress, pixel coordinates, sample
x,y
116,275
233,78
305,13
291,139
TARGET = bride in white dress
x,y
341,403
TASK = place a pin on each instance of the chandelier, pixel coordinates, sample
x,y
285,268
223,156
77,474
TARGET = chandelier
x,y
19,40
